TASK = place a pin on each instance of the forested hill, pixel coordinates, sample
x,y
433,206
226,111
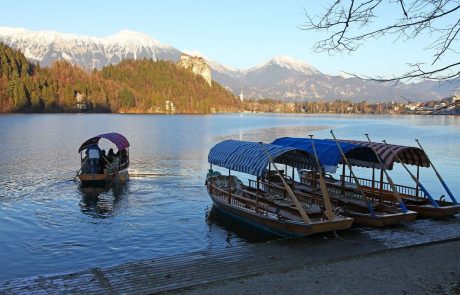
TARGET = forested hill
x,y
130,86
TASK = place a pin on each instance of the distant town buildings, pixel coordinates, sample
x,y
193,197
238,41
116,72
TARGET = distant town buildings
x,y
80,104
456,96
169,106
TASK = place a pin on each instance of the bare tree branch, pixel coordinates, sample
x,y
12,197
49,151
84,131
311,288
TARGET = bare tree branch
x,y
347,24
402,7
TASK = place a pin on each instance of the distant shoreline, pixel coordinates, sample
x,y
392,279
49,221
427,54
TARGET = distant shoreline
x,y
223,113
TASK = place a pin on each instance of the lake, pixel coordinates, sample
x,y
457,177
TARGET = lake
x,y
49,224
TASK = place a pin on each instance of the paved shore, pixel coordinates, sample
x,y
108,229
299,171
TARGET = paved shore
x,y
431,269
421,257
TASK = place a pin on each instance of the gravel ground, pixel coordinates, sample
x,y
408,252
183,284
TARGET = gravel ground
x,y
431,269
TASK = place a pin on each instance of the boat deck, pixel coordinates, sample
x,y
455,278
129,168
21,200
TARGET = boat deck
x,y
192,269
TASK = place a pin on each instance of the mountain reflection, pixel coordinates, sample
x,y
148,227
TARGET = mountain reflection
x,y
102,202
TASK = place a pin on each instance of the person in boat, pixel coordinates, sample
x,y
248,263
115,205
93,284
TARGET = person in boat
x,y
123,156
110,156
113,166
93,156
103,163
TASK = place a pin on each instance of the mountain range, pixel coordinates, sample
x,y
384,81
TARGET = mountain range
x,y
281,77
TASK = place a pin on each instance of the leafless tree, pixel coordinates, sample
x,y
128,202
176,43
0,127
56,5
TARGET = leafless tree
x,y
350,23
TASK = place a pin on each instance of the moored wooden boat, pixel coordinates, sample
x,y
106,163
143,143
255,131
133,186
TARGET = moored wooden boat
x,y
416,198
100,169
353,202
263,208
352,205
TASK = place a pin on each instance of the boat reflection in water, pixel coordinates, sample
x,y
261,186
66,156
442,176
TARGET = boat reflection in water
x,y
102,201
222,224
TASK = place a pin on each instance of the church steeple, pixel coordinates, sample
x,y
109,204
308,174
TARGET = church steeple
x,y
241,95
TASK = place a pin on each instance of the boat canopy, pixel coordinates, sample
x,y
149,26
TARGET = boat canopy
x,y
250,157
329,154
119,140
409,155
358,153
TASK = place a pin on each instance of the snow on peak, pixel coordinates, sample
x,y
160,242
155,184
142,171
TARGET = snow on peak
x,y
345,75
293,64
133,37
123,38
289,63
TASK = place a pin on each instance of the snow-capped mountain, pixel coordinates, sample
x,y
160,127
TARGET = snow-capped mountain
x,y
295,80
281,77
87,52
287,63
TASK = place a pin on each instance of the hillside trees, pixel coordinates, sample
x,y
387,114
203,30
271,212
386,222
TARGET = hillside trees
x,y
130,86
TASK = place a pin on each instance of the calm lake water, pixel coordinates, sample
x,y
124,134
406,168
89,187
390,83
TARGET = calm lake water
x,y
49,224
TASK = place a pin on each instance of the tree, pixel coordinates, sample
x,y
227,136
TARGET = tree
x,y
350,23
126,98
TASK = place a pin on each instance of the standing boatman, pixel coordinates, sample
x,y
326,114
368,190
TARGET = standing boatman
x,y
94,154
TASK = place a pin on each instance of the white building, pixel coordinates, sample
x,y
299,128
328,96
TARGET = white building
x,y
241,95
169,106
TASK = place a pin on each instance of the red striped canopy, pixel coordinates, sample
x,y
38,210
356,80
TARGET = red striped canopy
x,y
119,140
408,154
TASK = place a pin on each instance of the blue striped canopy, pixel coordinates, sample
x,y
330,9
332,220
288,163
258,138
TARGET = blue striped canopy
x,y
250,157
328,153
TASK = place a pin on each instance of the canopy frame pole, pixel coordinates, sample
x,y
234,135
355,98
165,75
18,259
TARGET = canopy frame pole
x,y
297,204
439,176
392,185
432,201
381,182
293,182
418,177
210,178
369,205
373,178
343,179
268,177
322,184
229,183
257,195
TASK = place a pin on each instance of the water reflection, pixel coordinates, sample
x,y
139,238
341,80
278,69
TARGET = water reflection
x,y
270,134
216,219
102,201
164,213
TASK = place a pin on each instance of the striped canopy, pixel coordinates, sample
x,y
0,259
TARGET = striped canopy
x,y
251,157
408,154
119,140
329,154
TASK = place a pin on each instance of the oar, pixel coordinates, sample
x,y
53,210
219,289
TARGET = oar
x,y
368,202
80,168
392,184
322,183
433,202
287,187
438,175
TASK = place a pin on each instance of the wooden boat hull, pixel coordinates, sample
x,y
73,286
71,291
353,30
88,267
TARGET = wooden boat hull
x,y
381,220
429,211
418,204
278,227
103,179
384,216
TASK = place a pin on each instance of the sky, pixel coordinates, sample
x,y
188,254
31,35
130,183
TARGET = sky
x,y
239,34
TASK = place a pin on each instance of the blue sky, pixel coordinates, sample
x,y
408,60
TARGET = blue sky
x,y
236,33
